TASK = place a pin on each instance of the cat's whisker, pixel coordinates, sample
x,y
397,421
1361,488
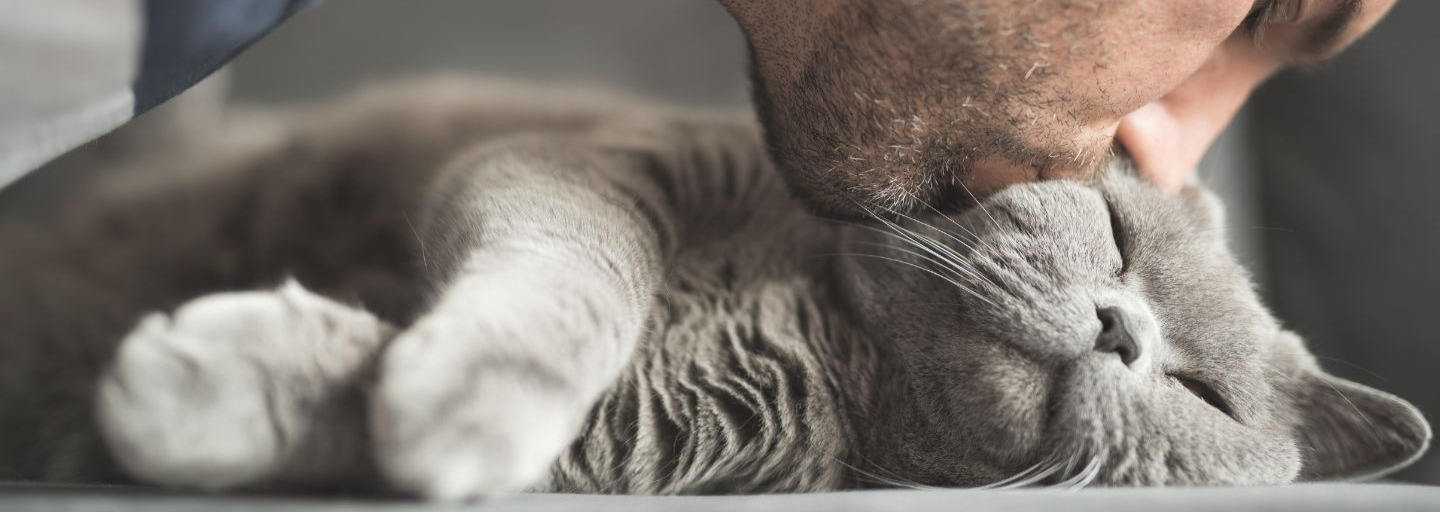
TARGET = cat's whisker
x,y
953,261
894,477
1055,466
974,236
933,260
1292,378
980,244
1281,375
892,482
1255,228
1286,378
1086,475
1004,483
866,477
958,271
967,262
956,258
979,204
931,272
420,241
1081,476
930,245
1068,472
910,235
1374,431
956,304
893,225
1341,361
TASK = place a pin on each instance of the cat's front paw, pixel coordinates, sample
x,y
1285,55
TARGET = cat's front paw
x,y
174,410
226,392
452,422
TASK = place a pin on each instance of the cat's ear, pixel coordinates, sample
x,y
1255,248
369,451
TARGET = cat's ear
x,y
1348,431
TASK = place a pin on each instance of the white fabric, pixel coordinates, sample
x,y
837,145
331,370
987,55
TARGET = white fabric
x,y
65,72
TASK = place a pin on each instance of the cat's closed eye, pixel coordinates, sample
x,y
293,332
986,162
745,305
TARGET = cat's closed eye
x,y
1205,393
1117,233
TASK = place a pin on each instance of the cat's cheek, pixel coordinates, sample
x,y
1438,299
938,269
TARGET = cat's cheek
x,y
1000,398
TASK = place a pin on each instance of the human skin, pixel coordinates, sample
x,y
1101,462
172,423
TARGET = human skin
x,y
911,104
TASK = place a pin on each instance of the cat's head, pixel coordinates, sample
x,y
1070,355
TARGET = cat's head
x,y
1100,332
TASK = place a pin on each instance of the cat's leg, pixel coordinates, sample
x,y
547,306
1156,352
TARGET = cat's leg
x,y
245,388
547,258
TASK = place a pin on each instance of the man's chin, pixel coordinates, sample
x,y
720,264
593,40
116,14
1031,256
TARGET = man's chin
x,y
857,192
854,191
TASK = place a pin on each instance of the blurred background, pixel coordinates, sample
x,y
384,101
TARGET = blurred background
x,y
1332,174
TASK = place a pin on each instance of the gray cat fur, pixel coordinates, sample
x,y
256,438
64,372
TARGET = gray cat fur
x,y
454,288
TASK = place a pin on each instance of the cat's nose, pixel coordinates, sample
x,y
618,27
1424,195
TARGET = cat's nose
x,y
1116,335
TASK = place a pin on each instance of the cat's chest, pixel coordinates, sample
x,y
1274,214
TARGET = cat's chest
x,y
727,392
753,293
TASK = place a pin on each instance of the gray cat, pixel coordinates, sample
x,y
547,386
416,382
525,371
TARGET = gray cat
x,y
448,289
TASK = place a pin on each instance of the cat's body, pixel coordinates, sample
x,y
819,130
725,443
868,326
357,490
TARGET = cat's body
x,y
503,273
330,207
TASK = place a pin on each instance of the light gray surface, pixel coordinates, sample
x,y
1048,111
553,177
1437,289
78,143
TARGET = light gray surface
x,y
1307,498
